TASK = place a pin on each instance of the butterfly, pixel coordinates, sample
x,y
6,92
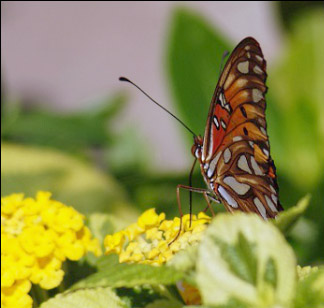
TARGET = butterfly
x,y
234,153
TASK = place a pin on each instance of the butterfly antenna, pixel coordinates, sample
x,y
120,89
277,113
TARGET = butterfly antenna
x,y
155,102
225,54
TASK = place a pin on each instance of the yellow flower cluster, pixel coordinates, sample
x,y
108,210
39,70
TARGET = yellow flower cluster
x,y
37,235
148,240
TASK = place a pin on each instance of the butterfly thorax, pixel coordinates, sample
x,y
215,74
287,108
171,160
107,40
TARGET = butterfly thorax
x,y
197,152
196,149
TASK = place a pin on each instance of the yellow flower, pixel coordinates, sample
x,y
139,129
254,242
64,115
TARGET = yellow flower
x,y
16,295
47,272
37,235
152,239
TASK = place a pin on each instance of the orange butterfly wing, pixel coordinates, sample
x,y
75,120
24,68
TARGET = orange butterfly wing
x,y
235,158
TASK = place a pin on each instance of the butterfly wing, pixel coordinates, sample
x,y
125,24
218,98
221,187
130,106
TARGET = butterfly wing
x,y
236,159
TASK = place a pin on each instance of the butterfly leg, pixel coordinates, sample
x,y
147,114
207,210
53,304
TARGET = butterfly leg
x,y
192,189
211,198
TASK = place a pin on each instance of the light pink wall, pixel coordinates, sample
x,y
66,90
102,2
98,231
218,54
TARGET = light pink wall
x,y
69,54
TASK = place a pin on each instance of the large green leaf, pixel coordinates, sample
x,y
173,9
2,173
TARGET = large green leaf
x,y
117,275
195,51
87,298
244,261
29,169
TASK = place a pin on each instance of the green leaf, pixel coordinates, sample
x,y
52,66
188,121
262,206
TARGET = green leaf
x,y
195,51
310,290
296,110
164,303
29,169
185,262
287,219
114,274
72,132
88,298
244,261
240,257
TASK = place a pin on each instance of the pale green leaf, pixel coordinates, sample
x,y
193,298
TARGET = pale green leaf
x,y
287,219
114,274
310,290
185,262
29,169
244,261
87,298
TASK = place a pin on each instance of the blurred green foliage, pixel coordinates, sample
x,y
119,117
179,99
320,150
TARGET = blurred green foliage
x,y
35,140
194,53
290,10
76,132
26,169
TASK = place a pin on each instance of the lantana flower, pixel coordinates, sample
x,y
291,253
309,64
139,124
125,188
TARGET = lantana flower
x,y
155,240
37,236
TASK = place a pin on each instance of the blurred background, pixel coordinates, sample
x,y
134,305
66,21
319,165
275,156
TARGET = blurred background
x,y
70,127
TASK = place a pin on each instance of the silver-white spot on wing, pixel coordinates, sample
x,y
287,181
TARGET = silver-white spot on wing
x,y
264,132
206,166
227,197
256,95
274,197
256,167
216,122
212,165
243,67
227,155
237,138
259,58
228,108
243,164
251,143
257,70
239,188
260,207
273,190
270,204
223,124
222,99
266,152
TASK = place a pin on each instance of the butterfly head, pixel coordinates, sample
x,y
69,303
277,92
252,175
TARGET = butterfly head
x,y
196,149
